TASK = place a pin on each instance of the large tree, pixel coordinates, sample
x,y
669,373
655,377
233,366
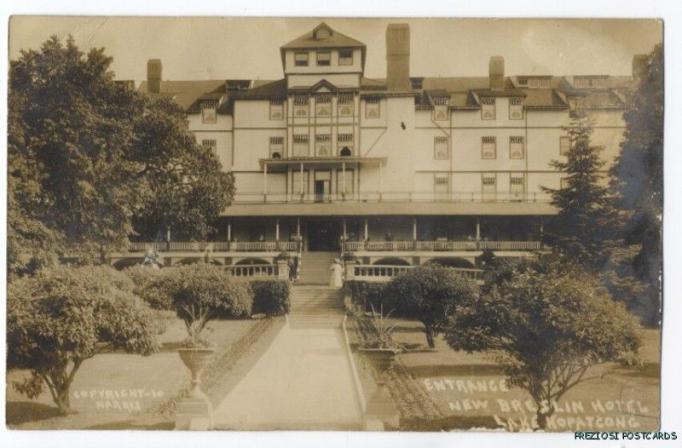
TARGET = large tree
x,y
638,172
61,317
547,322
182,185
87,154
584,225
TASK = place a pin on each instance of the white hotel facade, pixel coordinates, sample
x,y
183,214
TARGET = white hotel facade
x,y
397,171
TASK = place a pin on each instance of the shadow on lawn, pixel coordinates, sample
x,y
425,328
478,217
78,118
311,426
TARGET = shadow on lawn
x,y
648,370
456,370
18,412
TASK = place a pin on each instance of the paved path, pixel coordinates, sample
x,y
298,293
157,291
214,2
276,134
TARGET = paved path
x,y
303,381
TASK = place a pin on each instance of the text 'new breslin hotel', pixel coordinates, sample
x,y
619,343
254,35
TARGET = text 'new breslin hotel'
x,y
397,171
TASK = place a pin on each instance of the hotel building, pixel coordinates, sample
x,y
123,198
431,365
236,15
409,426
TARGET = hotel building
x,y
397,171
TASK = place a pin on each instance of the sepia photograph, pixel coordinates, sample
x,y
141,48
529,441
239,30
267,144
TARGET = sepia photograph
x,y
334,224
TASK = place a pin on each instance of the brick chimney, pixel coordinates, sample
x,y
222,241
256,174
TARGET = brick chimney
x,y
154,69
398,57
640,63
496,72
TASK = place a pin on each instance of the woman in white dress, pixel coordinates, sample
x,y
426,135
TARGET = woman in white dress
x,y
336,280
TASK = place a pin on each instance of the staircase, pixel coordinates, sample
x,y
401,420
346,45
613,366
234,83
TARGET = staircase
x,y
315,266
315,307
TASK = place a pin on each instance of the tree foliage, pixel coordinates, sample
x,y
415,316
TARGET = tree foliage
x,y
428,293
201,292
88,154
548,322
637,175
61,317
584,225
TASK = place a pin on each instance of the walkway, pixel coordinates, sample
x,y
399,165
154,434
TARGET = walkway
x,y
303,381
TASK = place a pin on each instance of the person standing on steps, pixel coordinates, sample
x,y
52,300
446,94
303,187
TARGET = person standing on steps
x,y
335,280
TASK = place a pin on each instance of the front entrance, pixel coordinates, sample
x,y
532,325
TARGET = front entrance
x,y
323,235
322,185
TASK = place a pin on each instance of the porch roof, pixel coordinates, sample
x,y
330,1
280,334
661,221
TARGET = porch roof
x,y
307,161
392,208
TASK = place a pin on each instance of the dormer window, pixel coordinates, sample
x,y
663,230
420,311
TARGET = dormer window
x,y
346,56
324,58
417,83
301,59
322,32
209,110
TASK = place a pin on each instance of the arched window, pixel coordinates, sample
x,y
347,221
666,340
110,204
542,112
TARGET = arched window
x,y
346,152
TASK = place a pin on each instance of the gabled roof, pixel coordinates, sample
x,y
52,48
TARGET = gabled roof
x,y
312,40
185,93
330,39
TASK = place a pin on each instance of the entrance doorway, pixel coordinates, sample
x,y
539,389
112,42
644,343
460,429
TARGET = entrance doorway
x,y
322,185
323,235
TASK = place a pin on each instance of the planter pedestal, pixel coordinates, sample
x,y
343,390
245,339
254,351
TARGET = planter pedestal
x,y
380,410
195,412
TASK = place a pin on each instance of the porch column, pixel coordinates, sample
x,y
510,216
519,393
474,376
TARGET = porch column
x,y
343,224
414,228
478,229
265,182
366,230
356,182
542,230
277,230
301,190
381,180
229,230
343,182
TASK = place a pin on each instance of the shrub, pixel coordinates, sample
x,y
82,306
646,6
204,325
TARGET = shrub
x,y
148,284
202,292
63,316
270,297
428,293
366,294
548,323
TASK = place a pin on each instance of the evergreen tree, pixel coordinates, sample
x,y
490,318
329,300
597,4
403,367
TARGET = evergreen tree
x,y
583,228
637,175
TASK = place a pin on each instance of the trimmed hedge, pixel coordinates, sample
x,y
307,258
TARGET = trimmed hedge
x,y
270,297
367,294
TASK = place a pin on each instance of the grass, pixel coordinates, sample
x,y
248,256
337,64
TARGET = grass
x,y
97,394
461,386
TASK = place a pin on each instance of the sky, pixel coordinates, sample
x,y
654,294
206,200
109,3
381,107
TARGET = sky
x,y
248,48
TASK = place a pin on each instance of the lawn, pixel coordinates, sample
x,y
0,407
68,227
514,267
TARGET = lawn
x,y
117,390
470,391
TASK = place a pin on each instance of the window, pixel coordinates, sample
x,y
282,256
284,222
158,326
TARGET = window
x,y
209,110
489,186
516,149
517,185
346,56
348,182
564,145
563,183
276,147
417,83
276,110
323,105
299,184
345,105
589,82
345,143
324,58
538,83
441,149
210,144
441,185
575,106
323,145
372,109
488,108
488,147
301,145
301,59
440,108
300,106
516,108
